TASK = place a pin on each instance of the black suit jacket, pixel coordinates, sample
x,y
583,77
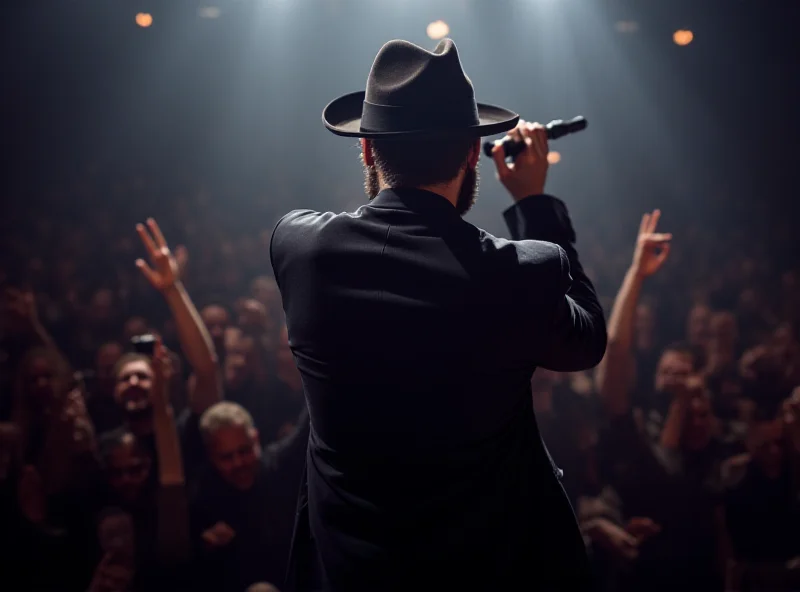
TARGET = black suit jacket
x,y
416,335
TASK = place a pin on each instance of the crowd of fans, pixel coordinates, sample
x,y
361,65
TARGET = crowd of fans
x,y
154,429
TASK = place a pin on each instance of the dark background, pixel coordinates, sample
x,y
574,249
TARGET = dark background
x,y
706,130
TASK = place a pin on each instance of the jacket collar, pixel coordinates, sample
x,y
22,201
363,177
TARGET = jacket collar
x,y
415,200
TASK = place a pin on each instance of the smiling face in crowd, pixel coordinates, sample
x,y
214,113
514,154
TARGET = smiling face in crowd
x,y
235,453
134,385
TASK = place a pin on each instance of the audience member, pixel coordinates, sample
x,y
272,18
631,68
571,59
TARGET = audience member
x,y
179,468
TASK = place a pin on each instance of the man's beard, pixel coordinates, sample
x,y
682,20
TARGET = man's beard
x,y
467,194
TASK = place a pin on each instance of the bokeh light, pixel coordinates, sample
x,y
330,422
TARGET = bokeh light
x,y
438,30
553,157
144,19
683,37
209,12
627,26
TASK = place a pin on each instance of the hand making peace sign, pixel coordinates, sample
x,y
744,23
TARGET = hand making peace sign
x,y
652,248
165,271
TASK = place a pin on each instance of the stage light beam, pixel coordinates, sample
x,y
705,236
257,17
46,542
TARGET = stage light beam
x,y
144,19
208,12
683,37
438,30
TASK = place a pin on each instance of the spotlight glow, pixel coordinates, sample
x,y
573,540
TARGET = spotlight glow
x,y
209,12
683,37
438,30
553,157
144,19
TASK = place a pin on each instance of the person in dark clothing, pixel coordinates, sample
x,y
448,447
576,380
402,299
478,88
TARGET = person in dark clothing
x,y
678,490
134,372
145,507
664,464
29,538
134,383
416,335
762,507
243,510
259,388
563,420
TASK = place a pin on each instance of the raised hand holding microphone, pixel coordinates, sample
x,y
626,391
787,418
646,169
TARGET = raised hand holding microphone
x,y
554,130
528,173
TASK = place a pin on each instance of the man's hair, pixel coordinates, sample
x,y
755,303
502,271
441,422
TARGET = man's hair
x,y
223,415
107,443
129,358
418,162
680,347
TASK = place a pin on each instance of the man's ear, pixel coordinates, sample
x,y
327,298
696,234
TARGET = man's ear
x,y
474,154
366,152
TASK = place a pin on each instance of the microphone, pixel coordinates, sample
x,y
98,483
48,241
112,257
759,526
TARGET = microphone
x,y
555,129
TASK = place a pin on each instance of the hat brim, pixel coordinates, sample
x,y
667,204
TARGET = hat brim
x,y
342,116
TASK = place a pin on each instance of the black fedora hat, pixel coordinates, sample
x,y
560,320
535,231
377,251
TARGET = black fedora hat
x,y
412,91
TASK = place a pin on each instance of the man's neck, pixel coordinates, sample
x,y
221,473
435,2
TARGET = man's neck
x,y
449,191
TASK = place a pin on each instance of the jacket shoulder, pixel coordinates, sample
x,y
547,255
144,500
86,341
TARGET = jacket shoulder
x,y
300,221
296,229
531,256
535,272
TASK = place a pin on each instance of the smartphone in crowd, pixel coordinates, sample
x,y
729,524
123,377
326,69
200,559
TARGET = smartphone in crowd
x,y
144,344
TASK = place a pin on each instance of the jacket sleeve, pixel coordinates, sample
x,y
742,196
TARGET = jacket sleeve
x,y
578,337
285,239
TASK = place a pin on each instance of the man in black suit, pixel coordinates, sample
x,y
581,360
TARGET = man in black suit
x,y
416,335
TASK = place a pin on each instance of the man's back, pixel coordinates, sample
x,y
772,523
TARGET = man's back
x,y
416,335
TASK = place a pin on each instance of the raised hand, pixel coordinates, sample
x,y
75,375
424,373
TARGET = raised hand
x,y
527,175
162,373
182,258
164,271
652,248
